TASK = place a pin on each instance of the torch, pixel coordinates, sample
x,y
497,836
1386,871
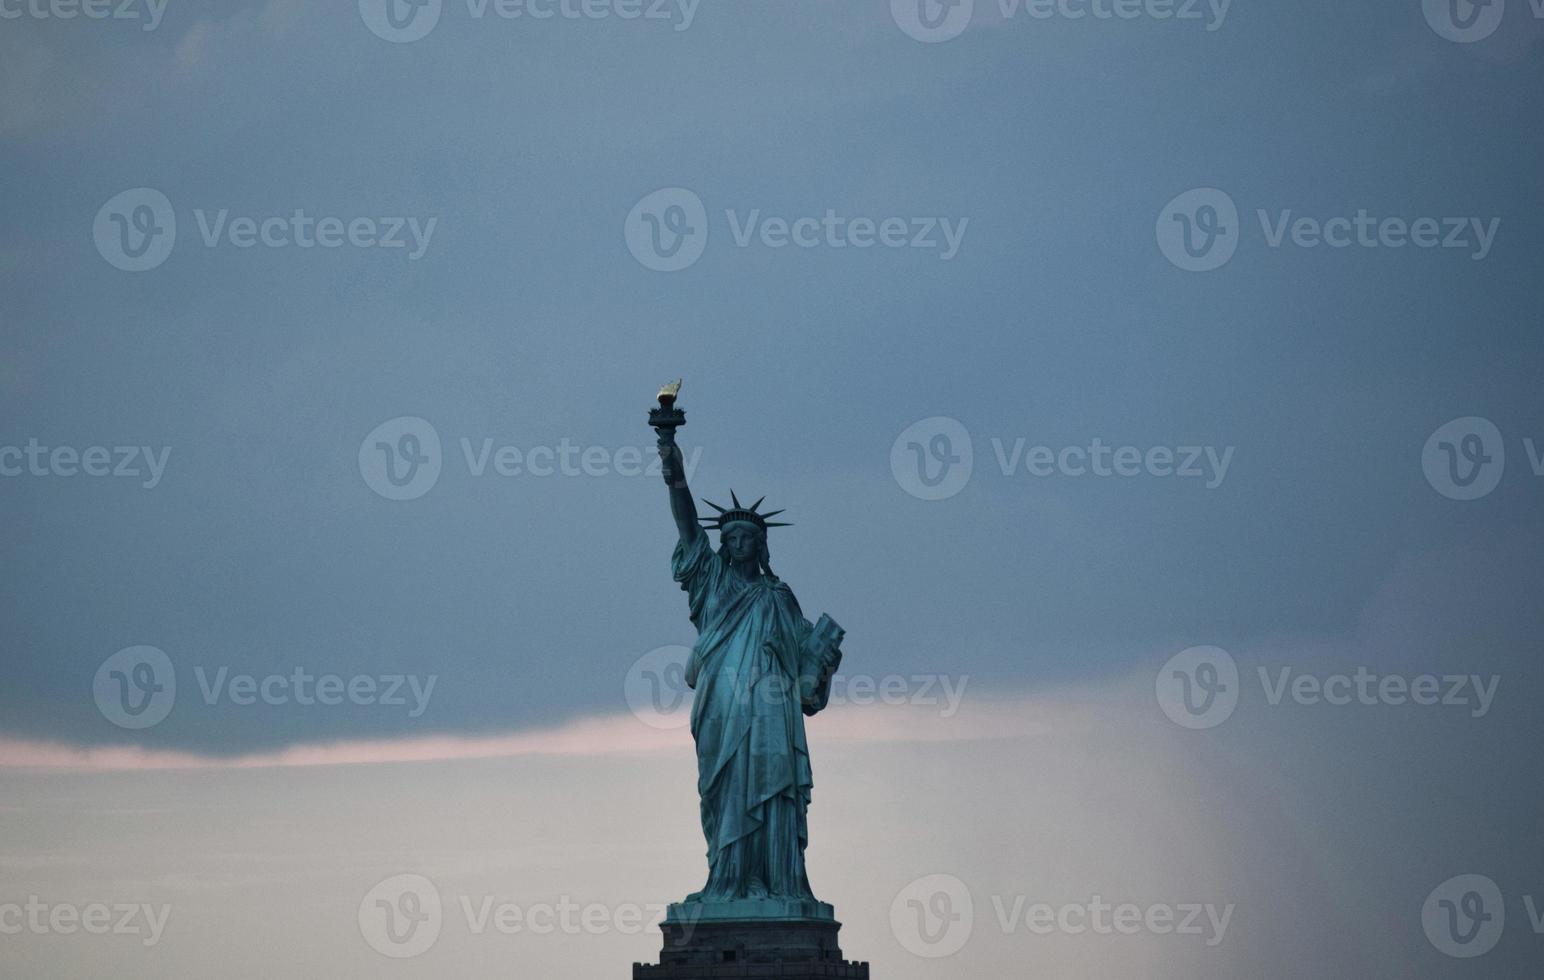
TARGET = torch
x,y
666,419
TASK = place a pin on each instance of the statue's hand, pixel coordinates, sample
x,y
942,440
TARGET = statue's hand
x,y
831,656
827,637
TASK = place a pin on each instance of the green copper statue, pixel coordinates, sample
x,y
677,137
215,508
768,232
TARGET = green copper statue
x,y
758,668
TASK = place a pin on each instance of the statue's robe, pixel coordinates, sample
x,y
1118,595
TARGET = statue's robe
x,y
753,765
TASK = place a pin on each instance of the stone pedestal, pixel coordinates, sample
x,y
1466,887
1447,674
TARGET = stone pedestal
x,y
768,949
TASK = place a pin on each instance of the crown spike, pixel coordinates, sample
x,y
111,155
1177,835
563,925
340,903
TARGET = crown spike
x,y
739,512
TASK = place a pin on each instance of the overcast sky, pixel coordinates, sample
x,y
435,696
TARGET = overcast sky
x,y
1042,419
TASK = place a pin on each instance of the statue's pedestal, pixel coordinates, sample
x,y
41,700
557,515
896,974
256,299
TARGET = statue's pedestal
x,y
705,942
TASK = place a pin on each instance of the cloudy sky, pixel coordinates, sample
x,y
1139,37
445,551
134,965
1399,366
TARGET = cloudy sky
x,y
1071,344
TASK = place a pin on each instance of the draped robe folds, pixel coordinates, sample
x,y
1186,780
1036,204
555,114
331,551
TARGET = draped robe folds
x,y
753,768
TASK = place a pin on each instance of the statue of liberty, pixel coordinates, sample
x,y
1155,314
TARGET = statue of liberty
x,y
758,668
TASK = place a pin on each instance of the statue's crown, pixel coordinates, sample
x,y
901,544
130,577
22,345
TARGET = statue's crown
x,y
740,512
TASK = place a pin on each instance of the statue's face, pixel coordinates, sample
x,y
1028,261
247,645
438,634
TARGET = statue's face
x,y
742,540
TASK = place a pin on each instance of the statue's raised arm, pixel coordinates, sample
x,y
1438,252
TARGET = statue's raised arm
x,y
681,506
665,420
